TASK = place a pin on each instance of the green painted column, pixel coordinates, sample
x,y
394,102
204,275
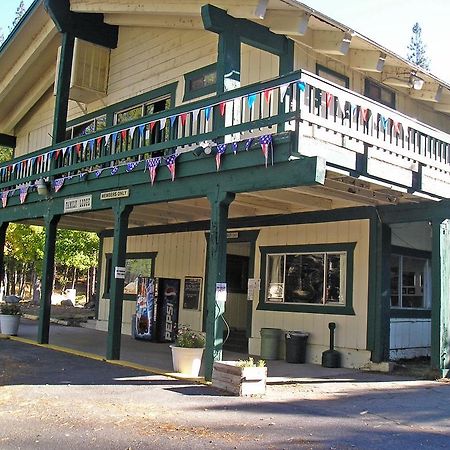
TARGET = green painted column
x,y
3,229
99,273
228,62
440,306
121,216
216,273
378,317
48,272
62,88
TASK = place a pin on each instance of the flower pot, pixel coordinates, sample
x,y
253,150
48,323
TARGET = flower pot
x,y
9,325
187,360
242,381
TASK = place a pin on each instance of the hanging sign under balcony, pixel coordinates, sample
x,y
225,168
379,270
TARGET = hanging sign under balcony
x,y
78,203
111,195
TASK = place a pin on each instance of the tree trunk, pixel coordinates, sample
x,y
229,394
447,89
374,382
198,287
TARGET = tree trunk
x,y
88,285
74,277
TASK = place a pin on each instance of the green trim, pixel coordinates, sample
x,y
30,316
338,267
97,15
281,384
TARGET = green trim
x,y
415,212
329,71
109,111
190,94
134,255
410,313
99,273
407,251
347,309
7,140
87,26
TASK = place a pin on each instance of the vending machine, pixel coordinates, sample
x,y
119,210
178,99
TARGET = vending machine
x,y
157,307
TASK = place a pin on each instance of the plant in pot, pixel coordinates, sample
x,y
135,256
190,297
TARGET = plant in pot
x,y
9,318
187,351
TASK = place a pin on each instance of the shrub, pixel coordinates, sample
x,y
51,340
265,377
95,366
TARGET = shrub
x,y
10,309
188,338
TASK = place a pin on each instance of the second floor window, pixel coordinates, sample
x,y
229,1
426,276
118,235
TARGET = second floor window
x,y
379,93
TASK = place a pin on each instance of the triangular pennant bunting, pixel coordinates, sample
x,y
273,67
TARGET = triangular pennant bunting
x,y
131,166
4,198
58,184
266,145
114,170
170,162
132,130
98,172
82,176
222,108
195,114
251,100
23,192
267,95
141,130
151,125
235,146
365,114
124,134
397,126
172,120
221,148
328,99
208,112
384,122
283,89
183,118
153,164
301,85
248,144
162,123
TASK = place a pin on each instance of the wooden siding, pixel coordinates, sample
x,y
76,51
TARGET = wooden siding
x,y
410,338
351,331
179,255
307,58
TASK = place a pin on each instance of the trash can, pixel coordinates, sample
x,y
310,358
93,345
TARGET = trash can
x,y
270,343
296,346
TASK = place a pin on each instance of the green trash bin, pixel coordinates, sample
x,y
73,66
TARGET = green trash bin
x,y
270,343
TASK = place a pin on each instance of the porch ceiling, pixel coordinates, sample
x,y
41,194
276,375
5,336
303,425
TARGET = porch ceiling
x,y
339,191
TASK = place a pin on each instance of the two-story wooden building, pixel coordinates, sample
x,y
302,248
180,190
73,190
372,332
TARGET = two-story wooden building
x,y
253,142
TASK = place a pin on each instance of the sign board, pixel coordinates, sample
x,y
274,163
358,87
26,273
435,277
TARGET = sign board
x,y
221,292
78,203
253,287
119,272
111,195
192,290
232,234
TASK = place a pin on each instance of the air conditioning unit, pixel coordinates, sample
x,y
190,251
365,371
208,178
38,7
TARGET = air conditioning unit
x,y
90,68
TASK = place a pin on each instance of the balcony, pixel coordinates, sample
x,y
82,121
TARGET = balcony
x,y
357,137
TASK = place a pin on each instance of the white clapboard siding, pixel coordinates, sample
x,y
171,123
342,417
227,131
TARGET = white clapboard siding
x,y
351,331
178,256
410,338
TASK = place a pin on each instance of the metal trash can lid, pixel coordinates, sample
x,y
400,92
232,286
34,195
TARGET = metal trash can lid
x,y
290,334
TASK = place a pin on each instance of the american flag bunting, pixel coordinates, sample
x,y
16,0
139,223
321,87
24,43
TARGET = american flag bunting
x,y
170,162
266,145
221,148
153,164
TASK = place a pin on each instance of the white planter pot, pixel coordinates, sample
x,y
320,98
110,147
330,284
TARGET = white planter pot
x,y
187,360
9,325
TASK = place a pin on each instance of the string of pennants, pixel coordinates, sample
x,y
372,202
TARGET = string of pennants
x,y
151,164
267,94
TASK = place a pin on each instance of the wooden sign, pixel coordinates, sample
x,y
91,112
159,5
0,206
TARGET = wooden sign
x,y
192,291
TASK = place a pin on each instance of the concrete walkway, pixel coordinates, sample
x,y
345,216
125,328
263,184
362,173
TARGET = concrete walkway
x,y
157,356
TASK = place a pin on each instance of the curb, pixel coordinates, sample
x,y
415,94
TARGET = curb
x,y
127,364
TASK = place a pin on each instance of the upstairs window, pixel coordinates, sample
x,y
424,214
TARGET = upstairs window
x,y
200,82
331,75
88,127
379,93
141,110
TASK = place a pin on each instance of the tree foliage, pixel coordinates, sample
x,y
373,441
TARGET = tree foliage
x,y
417,48
20,11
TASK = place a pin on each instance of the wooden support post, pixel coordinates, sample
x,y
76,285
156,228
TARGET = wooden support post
x,y
216,273
62,88
3,229
440,306
228,62
378,323
121,215
48,272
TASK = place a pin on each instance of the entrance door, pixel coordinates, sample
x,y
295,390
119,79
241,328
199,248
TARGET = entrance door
x,y
235,329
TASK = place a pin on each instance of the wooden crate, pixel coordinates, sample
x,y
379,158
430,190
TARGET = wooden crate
x,y
240,381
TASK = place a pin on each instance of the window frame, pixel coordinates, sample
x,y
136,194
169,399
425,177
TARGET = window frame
x,y
190,94
108,272
329,308
345,79
370,81
406,312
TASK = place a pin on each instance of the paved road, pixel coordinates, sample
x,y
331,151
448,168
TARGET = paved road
x,y
52,400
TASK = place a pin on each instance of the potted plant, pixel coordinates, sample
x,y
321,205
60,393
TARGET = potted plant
x,y
9,318
187,351
244,377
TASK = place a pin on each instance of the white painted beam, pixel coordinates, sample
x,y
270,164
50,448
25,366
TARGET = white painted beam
x,y
331,42
431,92
367,60
293,23
261,9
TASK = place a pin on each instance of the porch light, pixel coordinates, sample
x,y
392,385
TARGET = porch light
x,y
416,82
41,186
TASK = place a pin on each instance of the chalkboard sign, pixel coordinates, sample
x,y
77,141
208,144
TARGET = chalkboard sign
x,y
192,289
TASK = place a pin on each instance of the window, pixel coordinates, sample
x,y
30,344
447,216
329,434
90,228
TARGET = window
x,y
141,110
410,282
136,264
332,76
307,278
200,82
88,127
379,93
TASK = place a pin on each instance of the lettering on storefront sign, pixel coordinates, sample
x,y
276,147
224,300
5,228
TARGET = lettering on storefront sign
x,y
78,203
111,195
232,235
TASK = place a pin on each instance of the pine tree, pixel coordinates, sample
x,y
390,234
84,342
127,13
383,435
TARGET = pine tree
x,y
20,11
417,49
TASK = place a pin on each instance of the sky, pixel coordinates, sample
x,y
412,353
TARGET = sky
x,y
388,22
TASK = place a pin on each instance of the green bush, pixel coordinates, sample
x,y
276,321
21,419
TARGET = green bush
x,y
10,309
